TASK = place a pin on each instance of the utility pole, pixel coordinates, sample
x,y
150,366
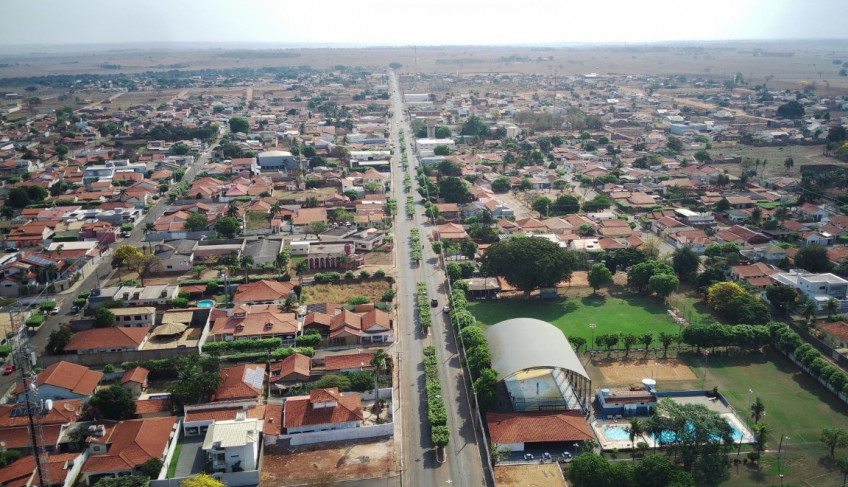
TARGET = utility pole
x,y
34,409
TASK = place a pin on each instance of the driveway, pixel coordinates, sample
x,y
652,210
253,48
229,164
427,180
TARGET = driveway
x,y
192,458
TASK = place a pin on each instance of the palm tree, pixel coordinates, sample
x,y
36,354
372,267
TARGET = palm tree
x,y
831,307
757,409
636,429
842,465
379,363
300,269
666,339
760,432
246,262
275,208
282,261
809,310
149,227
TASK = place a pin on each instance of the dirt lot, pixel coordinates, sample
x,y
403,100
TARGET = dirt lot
x,y
340,293
338,461
627,372
536,475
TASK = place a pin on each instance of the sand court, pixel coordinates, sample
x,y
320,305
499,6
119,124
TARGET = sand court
x,y
633,371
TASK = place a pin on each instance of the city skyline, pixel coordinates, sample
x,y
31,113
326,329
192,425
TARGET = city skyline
x,y
437,22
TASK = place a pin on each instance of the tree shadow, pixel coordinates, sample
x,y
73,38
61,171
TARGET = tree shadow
x,y
594,300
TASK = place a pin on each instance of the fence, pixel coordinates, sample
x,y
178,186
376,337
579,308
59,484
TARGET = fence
x,y
375,431
103,358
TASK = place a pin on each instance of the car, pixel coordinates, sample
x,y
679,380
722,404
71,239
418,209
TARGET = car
x,y
434,303
9,369
546,456
446,309
528,456
11,250
55,311
75,309
566,457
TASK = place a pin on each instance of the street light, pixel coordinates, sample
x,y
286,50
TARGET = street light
x,y
592,343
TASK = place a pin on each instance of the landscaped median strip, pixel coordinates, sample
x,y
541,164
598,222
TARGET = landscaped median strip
x,y
415,243
436,412
425,317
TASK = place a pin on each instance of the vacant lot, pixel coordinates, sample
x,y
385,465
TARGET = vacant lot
x,y
628,372
258,220
535,475
612,314
340,293
328,463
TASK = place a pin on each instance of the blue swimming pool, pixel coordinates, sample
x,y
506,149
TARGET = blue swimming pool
x,y
206,303
618,433
671,437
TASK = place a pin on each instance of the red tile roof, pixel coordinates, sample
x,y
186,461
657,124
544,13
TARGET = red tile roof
x,y
349,361
112,337
301,410
263,291
273,419
294,367
224,413
537,427
237,382
153,406
65,375
133,442
64,411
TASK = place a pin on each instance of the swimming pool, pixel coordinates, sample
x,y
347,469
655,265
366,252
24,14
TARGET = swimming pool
x,y
671,436
618,433
206,303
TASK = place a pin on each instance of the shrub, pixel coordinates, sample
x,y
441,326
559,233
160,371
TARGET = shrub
x,y
354,300
184,294
5,350
84,295
80,302
263,344
327,277
389,295
180,303
108,369
47,305
379,273
130,282
35,321
307,340
349,275
364,275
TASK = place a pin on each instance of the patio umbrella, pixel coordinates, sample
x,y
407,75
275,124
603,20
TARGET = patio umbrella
x,y
170,329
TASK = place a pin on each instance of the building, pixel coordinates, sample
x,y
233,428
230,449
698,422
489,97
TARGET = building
x,y
140,316
117,449
161,294
135,380
294,369
276,160
258,321
322,410
263,292
241,382
112,339
233,444
64,380
820,288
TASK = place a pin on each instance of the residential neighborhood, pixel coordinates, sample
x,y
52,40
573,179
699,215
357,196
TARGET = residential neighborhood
x,y
388,274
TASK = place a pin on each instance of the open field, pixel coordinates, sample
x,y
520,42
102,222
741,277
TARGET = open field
x,y
340,293
628,372
258,220
533,475
626,314
796,407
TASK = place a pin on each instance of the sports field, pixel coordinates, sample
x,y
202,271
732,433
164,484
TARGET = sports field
x,y
612,314
628,372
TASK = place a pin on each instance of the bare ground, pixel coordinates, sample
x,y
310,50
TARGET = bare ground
x,y
534,475
333,462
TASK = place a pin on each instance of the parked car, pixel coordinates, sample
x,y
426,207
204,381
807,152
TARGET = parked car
x,y
55,311
9,369
75,309
11,250
446,309
528,456
546,457
434,303
566,457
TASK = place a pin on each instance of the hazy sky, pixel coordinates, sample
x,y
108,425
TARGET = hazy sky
x,y
421,22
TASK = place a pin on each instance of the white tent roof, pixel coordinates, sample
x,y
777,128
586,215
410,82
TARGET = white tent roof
x,y
527,343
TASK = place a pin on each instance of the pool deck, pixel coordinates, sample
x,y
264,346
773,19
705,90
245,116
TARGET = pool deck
x,y
726,412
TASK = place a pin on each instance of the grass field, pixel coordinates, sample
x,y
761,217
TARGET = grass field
x,y
257,220
340,293
796,407
613,314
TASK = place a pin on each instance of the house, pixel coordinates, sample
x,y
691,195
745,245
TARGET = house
x,y
749,271
240,382
835,334
451,231
151,295
63,380
322,410
769,253
813,212
112,339
233,446
117,449
820,288
61,468
349,328
258,321
198,418
141,316
14,422
154,408
350,362
263,292
294,369
135,380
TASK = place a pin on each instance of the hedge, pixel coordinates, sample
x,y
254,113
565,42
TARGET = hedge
x,y
327,277
243,345
307,340
47,305
80,302
282,353
161,368
436,411
5,350
425,317
238,279
35,321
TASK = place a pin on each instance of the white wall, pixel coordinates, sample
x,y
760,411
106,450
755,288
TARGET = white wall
x,y
375,431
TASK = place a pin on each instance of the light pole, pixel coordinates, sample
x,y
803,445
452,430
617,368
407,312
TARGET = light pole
x,y
706,366
593,326
779,450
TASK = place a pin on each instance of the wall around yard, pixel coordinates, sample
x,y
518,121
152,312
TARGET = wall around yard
x,y
375,431
115,358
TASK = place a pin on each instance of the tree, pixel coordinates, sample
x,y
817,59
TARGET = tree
x,y
232,209
760,432
379,364
103,318
635,429
666,339
566,205
486,387
468,249
62,150
722,205
577,342
640,274
702,156
788,163
674,144
663,284
792,109
542,205
202,480
813,258
454,190
475,126
781,296
246,263
199,378
196,222
589,470
834,438
114,403
228,226
301,268
58,339
599,275
720,295
598,203
151,468
757,409
528,263
685,263
238,124
647,339
442,150
316,227
124,481
659,470
499,185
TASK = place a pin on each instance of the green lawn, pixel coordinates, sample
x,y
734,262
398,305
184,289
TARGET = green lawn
x,y
172,468
796,407
628,314
257,220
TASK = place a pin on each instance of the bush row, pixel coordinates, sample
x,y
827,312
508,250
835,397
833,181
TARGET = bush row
x,y
816,365
223,348
237,279
478,358
436,412
425,316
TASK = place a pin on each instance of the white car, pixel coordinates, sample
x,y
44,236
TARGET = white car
x,y
446,309
55,310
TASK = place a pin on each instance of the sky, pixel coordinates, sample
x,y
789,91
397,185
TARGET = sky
x,y
405,22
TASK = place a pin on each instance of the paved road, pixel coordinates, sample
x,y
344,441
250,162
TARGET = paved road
x,y
462,465
94,279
